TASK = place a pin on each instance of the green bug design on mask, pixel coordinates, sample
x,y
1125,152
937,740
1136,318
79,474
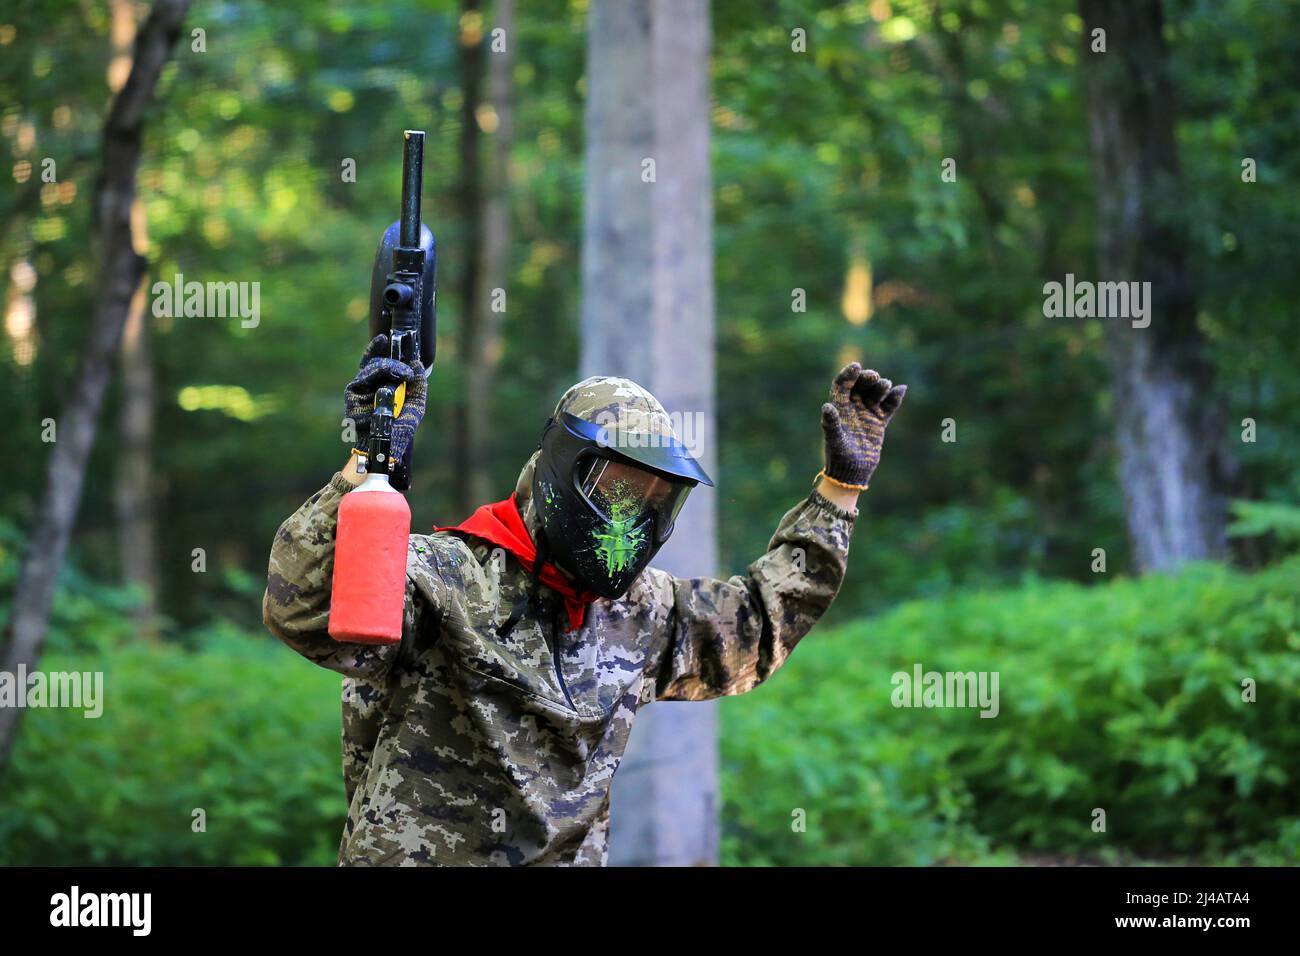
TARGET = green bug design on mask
x,y
620,546
621,541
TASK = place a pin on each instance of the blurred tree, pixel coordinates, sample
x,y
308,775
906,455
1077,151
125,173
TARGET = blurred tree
x,y
470,201
1169,421
136,491
647,314
136,495
484,359
121,270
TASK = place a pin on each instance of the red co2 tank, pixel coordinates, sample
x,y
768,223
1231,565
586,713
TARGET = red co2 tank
x,y
369,589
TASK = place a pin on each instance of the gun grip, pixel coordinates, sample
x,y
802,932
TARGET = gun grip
x,y
399,396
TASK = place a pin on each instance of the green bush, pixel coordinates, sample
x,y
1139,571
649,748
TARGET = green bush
x,y
1125,696
1257,518
240,727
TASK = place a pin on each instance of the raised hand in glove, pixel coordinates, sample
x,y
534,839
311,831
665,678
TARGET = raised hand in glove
x,y
854,420
377,370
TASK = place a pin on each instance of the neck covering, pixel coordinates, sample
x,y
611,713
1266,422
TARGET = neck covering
x,y
501,523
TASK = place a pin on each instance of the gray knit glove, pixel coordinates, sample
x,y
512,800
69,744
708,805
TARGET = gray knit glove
x,y
854,420
377,369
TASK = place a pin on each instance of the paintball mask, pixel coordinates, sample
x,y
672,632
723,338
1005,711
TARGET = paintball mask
x,y
610,481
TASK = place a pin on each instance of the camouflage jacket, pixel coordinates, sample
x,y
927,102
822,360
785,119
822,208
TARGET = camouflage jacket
x,y
462,747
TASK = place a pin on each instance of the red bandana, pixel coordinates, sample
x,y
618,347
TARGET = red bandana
x,y
499,523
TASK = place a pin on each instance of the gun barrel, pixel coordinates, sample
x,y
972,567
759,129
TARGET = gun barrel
x,y
412,176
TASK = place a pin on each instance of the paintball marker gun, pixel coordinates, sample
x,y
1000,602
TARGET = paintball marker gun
x,y
403,290
369,587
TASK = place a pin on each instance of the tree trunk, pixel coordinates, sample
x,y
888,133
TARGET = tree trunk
x,y
494,265
1169,425
136,519
134,494
121,270
471,211
647,314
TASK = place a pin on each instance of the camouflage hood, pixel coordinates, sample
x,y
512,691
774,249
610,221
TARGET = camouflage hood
x,y
617,403
601,400
636,415
608,482
524,495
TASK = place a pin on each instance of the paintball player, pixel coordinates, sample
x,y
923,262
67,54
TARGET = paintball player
x,y
534,631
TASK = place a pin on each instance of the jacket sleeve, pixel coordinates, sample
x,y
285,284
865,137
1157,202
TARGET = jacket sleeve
x,y
727,637
296,606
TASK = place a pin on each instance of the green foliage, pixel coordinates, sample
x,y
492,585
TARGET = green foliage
x,y
1253,518
240,728
1125,696
88,616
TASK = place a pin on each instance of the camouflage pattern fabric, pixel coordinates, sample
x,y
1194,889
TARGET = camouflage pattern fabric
x,y
461,747
628,411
